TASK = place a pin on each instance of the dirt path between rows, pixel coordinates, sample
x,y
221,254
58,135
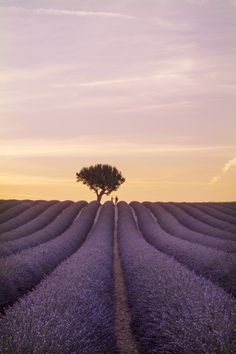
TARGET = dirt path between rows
x,y
125,339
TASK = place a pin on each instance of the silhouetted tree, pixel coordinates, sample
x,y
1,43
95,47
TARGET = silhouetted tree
x,y
102,179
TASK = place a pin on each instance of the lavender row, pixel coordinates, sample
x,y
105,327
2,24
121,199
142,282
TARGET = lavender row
x,y
26,216
230,205
227,220
205,214
172,226
196,225
43,219
207,219
173,309
218,266
21,271
55,228
15,210
71,310
7,204
221,207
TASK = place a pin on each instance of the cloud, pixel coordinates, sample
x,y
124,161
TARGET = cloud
x,y
166,105
110,82
229,164
32,73
20,179
95,147
55,11
175,70
225,169
103,82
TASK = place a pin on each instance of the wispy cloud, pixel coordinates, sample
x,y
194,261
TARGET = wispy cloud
x,y
225,169
149,107
174,69
163,181
55,11
104,82
39,72
93,147
107,82
20,179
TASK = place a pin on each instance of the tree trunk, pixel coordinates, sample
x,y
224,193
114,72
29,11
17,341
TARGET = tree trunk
x,y
99,196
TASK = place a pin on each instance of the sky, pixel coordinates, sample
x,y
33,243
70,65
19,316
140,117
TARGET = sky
x,y
147,86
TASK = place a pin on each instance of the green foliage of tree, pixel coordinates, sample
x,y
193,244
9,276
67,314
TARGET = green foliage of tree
x,y
102,179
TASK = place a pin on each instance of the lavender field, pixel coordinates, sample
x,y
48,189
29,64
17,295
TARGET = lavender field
x,y
86,278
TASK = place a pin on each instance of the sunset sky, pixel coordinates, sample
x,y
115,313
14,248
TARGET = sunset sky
x,y
148,86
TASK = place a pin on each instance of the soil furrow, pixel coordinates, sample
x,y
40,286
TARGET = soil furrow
x,y
125,339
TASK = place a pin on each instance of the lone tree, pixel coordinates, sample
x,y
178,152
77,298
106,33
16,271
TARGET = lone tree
x,y
102,179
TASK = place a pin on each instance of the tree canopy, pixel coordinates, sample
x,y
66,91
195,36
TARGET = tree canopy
x,y
102,179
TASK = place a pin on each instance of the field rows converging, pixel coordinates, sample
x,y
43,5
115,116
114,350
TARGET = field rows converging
x,y
217,212
53,229
190,219
14,209
171,225
138,278
26,216
21,271
202,213
217,265
31,226
7,204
